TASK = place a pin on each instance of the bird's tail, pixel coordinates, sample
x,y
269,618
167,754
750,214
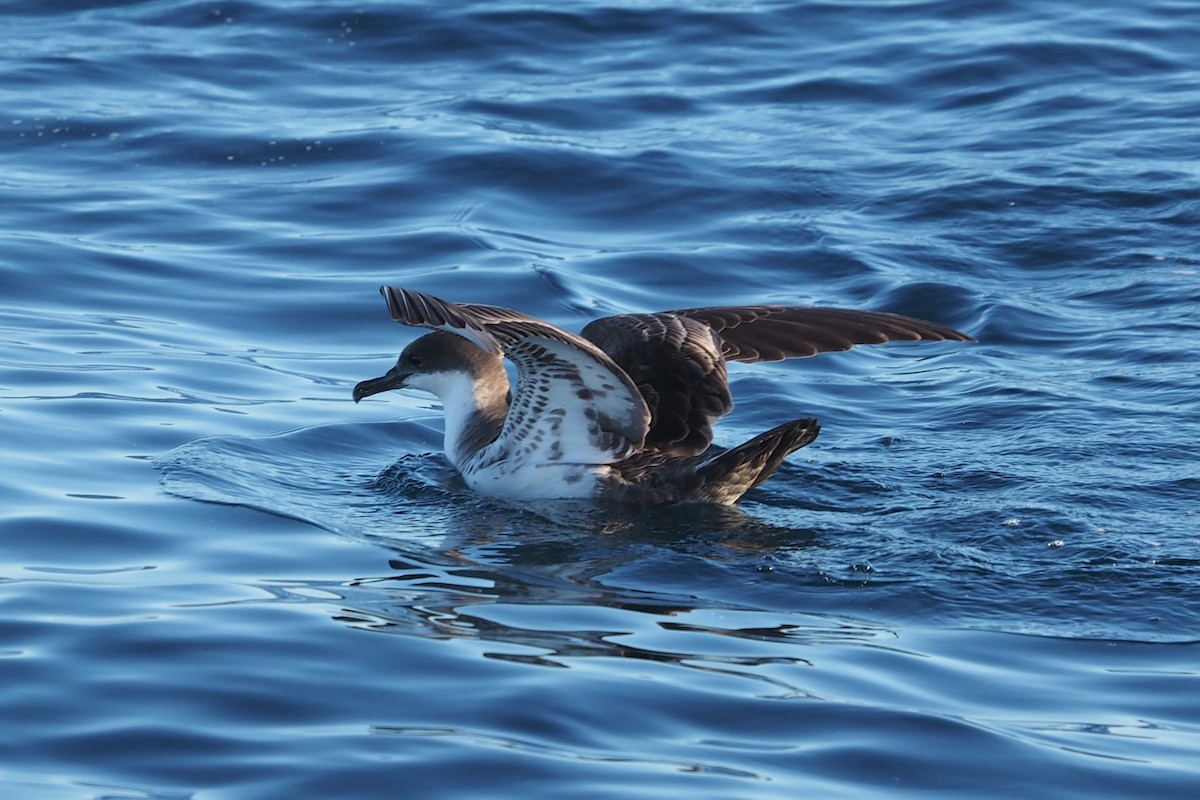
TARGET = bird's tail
x,y
726,477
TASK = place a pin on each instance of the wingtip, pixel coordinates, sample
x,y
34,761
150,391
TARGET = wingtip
x,y
408,306
955,335
395,308
959,336
418,309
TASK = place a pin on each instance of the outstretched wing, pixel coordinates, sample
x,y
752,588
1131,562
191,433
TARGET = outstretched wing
x,y
773,333
677,358
571,405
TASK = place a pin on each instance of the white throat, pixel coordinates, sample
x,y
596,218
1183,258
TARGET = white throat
x,y
460,395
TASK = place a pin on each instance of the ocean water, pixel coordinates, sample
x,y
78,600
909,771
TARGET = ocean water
x,y
221,579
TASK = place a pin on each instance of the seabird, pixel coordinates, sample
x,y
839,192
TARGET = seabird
x,y
624,409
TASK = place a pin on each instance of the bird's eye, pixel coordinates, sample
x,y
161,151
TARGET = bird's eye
x,y
414,360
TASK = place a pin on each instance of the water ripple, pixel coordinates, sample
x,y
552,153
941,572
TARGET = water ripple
x,y
979,581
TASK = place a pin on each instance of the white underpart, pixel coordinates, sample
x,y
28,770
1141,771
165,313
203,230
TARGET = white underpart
x,y
458,394
524,473
570,417
521,480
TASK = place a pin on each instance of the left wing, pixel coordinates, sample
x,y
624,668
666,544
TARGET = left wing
x,y
572,403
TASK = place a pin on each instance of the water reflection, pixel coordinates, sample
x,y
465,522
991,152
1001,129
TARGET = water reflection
x,y
455,558
602,592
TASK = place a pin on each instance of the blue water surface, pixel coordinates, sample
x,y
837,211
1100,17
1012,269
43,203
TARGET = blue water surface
x,y
222,580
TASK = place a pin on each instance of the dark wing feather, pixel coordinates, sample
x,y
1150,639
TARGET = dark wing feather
x,y
773,333
677,365
477,323
677,358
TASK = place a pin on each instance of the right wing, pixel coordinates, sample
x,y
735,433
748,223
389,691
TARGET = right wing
x,y
773,333
677,358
